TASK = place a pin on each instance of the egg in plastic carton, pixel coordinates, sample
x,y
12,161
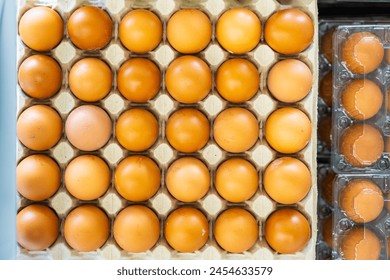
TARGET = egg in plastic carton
x,y
162,106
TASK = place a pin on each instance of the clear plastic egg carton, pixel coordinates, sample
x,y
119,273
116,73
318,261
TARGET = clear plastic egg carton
x,y
163,105
343,224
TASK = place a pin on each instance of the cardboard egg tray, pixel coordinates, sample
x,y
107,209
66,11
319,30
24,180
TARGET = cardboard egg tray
x,y
260,205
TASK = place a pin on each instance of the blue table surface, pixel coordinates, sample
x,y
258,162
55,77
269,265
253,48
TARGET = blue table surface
x,y
7,128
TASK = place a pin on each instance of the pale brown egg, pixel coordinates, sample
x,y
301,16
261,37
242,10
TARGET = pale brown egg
x,y
326,45
236,130
38,177
362,99
361,144
41,28
140,31
137,178
288,130
238,30
189,31
360,244
236,180
90,28
88,127
137,129
40,76
39,127
188,130
188,179
37,227
289,31
287,180
86,228
136,229
87,177
236,230
90,79
186,229
325,89
287,231
361,200
290,80
362,52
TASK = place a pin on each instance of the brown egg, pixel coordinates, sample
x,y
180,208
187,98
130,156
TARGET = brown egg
x,y
361,200
38,177
236,230
361,144
387,144
39,127
326,45
188,179
139,79
40,76
88,127
324,130
362,52
388,205
388,99
287,231
327,231
188,79
90,79
388,56
297,80
288,130
237,80
238,30
360,244
137,129
236,130
326,187
236,180
188,130
41,28
137,178
325,90
87,177
362,99
289,31
86,228
287,180
189,31
140,31
37,227
90,28
186,229
136,229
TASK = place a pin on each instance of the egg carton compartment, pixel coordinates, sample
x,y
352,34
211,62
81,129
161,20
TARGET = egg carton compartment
x,y
162,106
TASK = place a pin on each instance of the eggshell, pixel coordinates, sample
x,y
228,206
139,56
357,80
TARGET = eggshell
x,y
41,28
238,30
361,200
90,28
360,244
39,127
362,52
186,229
361,144
327,231
137,178
325,90
326,45
38,177
136,229
40,76
387,56
324,131
326,187
86,228
88,127
236,130
188,179
287,180
189,31
290,80
87,177
140,31
37,227
236,230
362,99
